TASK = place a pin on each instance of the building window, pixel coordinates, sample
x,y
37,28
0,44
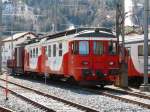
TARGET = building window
x,y
60,49
22,8
98,48
49,51
140,50
28,37
54,50
9,47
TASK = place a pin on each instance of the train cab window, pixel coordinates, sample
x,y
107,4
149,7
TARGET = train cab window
x,y
140,50
83,47
54,50
98,48
112,48
75,47
49,51
60,49
36,52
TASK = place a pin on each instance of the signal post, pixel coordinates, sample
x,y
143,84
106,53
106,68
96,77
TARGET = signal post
x,y
145,86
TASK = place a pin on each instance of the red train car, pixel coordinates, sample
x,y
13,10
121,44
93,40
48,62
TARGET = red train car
x,y
87,55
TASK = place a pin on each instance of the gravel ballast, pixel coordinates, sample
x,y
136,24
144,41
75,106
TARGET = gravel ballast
x,y
98,102
16,104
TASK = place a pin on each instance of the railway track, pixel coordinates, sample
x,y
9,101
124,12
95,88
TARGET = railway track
x,y
130,97
113,93
137,94
69,103
3,109
29,100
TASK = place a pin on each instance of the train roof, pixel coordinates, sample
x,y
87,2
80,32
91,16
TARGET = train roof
x,y
78,32
135,38
85,32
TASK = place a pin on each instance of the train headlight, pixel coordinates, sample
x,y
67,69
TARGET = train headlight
x,y
85,62
86,72
111,63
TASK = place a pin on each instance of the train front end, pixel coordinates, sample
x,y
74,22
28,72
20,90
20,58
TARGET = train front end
x,y
93,58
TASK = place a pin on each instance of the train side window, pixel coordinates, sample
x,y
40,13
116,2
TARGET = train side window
x,y
75,47
46,50
36,52
140,50
98,48
54,50
49,51
60,49
33,52
128,51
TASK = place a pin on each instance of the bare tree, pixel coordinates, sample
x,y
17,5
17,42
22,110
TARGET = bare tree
x,y
0,35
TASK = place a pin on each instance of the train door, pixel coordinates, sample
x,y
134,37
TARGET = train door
x,y
19,51
128,60
73,49
128,56
98,55
79,59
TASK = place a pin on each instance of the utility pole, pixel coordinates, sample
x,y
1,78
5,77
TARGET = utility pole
x,y
0,36
120,18
145,86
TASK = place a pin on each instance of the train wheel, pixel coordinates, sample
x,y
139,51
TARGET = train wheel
x,y
72,80
102,86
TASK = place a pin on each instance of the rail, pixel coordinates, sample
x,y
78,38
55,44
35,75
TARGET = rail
x,y
3,109
107,93
40,106
81,107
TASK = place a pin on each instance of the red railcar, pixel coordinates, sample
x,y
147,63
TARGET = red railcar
x,y
87,55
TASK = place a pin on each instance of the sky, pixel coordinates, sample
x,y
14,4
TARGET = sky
x,y
128,10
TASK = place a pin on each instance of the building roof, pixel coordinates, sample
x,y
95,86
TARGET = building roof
x,y
16,36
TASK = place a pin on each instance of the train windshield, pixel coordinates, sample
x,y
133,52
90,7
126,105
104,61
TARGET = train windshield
x,y
83,47
112,48
98,48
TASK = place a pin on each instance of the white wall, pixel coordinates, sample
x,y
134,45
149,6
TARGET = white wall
x,y
7,49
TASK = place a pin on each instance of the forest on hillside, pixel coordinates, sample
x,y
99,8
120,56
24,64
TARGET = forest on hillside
x,y
58,15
